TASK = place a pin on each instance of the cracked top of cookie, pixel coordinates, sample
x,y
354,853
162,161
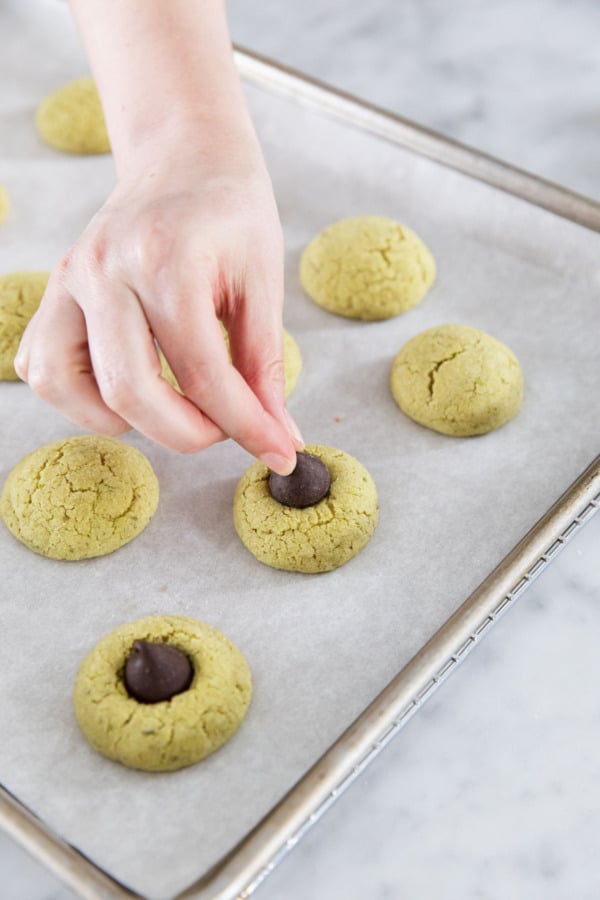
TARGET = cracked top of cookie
x,y
457,380
367,267
80,497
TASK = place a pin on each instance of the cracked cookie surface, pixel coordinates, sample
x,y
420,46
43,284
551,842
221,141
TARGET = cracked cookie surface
x,y
20,296
316,538
292,363
367,267
171,734
71,119
80,497
457,380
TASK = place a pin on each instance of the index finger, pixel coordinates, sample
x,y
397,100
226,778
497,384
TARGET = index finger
x,y
127,370
198,356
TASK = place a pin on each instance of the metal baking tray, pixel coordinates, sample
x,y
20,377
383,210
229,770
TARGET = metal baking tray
x,y
242,869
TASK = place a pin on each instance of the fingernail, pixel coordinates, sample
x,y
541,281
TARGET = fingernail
x,y
280,464
294,431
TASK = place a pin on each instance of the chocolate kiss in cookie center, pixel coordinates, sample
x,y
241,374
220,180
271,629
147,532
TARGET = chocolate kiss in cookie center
x,y
308,483
155,672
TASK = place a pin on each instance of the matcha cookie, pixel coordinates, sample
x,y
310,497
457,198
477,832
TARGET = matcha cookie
x,y
315,538
71,119
292,363
367,267
79,497
161,735
20,295
457,380
3,204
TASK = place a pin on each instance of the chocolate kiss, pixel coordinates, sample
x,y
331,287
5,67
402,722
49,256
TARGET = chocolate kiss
x,y
308,483
156,671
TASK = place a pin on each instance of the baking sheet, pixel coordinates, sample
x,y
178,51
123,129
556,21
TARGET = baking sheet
x,y
320,647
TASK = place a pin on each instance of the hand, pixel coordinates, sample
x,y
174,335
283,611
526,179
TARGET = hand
x,y
188,237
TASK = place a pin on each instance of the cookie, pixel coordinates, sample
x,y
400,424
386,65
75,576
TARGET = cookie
x,y
20,295
80,497
162,735
316,538
457,380
3,204
367,267
292,363
71,119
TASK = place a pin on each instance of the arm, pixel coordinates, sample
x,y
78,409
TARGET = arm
x,y
164,70
190,235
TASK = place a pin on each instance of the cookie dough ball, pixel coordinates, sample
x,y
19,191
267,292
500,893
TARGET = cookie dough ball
x,y
367,267
80,497
20,295
71,119
315,538
457,380
3,204
292,364
172,733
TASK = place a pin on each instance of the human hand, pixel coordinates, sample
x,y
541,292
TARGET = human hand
x,y
186,239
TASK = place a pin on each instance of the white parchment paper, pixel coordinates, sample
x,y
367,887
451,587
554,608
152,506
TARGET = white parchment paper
x,y
320,647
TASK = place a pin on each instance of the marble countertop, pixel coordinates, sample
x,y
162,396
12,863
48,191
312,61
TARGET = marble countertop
x,y
491,791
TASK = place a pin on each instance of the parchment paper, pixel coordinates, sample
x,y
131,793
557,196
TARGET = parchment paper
x,y
320,647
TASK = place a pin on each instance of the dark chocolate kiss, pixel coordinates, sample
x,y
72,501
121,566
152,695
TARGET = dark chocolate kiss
x,y
308,483
155,672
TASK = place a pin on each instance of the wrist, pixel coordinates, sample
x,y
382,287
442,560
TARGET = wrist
x,y
165,72
207,137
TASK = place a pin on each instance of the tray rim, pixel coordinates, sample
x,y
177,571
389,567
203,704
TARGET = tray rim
x,y
242,870
278,78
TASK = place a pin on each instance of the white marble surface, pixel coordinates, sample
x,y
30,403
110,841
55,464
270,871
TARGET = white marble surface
x,y
517,78
491,791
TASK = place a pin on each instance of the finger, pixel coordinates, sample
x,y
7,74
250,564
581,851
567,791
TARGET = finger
x,y
190,336
54,358
257,350
127,370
